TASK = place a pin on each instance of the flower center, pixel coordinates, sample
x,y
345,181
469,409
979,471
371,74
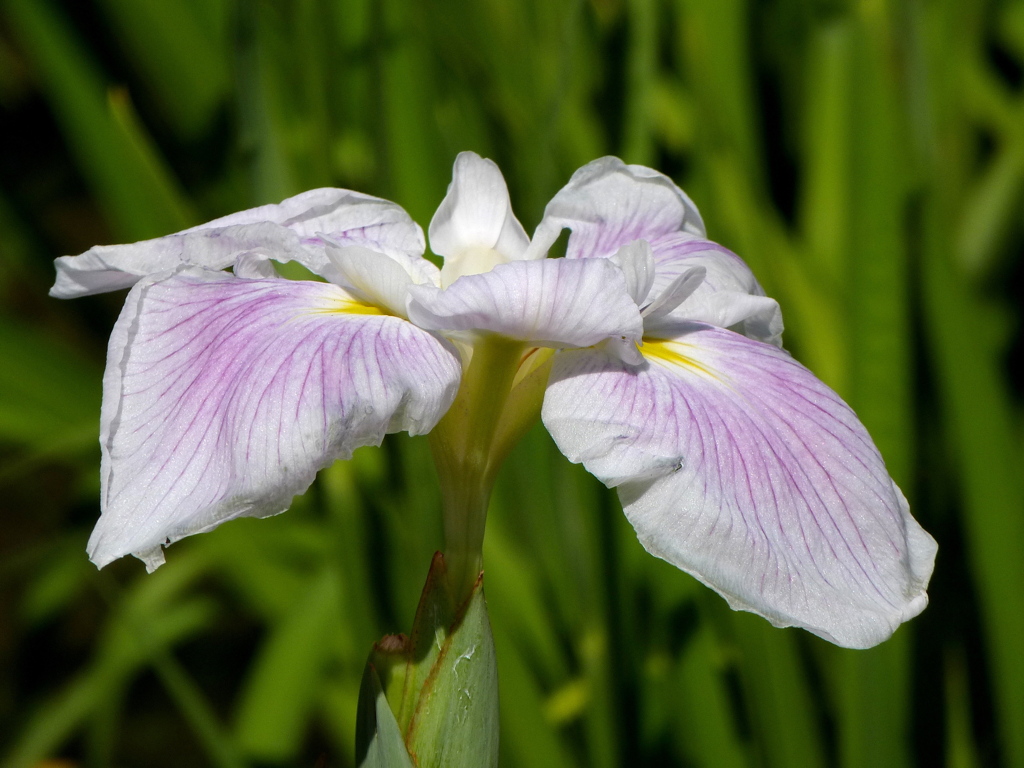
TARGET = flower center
x,y
472,261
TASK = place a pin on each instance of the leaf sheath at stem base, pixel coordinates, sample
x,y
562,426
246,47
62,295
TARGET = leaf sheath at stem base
x,y
441,682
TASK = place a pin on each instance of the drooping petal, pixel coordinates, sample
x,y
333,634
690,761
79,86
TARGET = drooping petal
x,y
476,214
223,397
608,204
737,465
551,302
288,231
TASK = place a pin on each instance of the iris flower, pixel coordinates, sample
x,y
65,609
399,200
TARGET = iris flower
x,y
654,353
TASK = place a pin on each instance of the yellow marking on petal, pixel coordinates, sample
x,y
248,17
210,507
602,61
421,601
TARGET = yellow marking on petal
x,y
347,306
671,353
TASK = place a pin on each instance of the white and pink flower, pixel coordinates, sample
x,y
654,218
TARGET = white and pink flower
x,y
226,392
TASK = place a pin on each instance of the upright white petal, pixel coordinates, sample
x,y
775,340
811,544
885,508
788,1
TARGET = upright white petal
x,y
476,214
224,396
288,231
551,302
737,465
608,204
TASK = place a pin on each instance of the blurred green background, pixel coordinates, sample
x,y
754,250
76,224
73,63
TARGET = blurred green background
x,y
866,158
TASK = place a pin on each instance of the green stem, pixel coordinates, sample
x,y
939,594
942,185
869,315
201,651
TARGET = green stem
x,y
463,445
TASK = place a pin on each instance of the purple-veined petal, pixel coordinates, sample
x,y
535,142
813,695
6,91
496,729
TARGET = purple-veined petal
x,y
608,204
224,396
476,214
288,231
551,302
676,252
729,296
737,465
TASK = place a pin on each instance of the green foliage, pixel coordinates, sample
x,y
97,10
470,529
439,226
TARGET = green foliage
x,y
867,159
